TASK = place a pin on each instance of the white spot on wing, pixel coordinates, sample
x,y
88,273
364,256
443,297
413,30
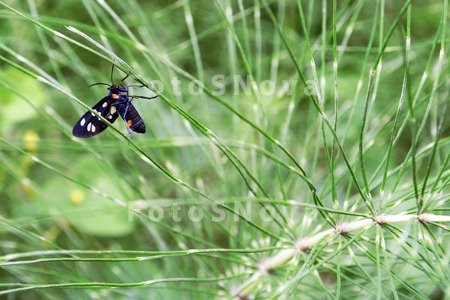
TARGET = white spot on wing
x,y
93,128
104,104
113,110
82,122
89,126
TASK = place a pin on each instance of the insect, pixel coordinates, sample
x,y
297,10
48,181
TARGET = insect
x,y
118,102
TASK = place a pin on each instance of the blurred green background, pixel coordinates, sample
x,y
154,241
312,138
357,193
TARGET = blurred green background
x,y
268,159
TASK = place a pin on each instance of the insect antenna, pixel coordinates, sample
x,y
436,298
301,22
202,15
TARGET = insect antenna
x,y
112,73
121,80
99,83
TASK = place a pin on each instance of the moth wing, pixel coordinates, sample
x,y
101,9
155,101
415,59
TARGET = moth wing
x,y
131,117
90,124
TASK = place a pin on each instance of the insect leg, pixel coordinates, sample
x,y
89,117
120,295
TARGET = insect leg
x,y
143,97
135,85
121,81
136,96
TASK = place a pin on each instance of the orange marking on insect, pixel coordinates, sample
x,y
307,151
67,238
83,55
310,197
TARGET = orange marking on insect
x,y
115,96
129,123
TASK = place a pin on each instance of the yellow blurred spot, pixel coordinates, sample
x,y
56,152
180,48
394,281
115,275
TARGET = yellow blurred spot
x,y
30,140
52,234
77,196
28,187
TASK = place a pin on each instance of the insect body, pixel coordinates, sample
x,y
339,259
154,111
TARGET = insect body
x,y
118,102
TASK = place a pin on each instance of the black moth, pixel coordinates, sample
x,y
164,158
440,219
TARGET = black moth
x,y
118,102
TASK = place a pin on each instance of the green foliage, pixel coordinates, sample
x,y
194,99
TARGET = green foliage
x,y
297,149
